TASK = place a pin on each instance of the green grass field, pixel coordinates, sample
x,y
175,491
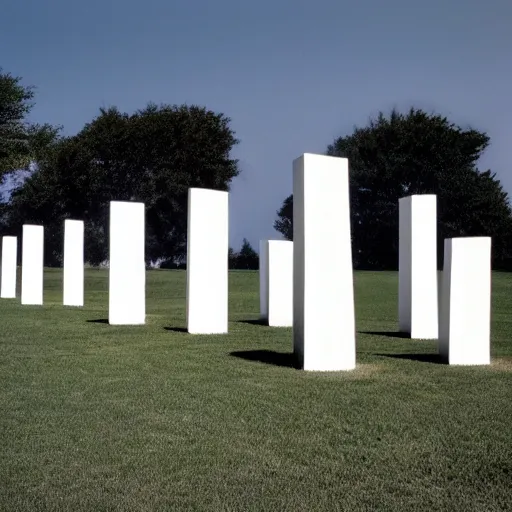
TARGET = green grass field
x,y
101,418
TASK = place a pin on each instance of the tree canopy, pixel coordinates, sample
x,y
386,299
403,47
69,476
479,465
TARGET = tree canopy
x,y
21,142
244,259
153,155
416,153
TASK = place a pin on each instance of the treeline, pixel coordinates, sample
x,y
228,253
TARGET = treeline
x,y
244,259
417,153
155,154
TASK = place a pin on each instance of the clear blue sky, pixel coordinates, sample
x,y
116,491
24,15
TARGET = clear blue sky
x,y
291,74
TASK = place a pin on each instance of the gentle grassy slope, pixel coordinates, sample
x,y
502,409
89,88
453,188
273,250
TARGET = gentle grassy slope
x,y
100,418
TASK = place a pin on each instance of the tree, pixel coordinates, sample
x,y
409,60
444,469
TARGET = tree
x,y
284,222
247,258
153,156
20,142
416,153
232,258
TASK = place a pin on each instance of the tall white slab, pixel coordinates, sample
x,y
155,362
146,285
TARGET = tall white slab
x,y
465,323
263,275
417,263
127,267
73,263
32,256
280,283
207,261
323,291
9,264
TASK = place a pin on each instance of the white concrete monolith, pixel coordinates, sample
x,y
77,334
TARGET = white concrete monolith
x,y
32,256
127,267
73,292
323,290
207,261
417,263
9,266
465,318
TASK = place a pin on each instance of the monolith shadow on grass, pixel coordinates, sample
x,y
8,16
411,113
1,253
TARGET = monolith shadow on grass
x,y
176,329
283,359
254,321
388,334
98,321
424,358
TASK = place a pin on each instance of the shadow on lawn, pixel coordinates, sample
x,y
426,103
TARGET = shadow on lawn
x,y
424,358
388,334
176,329
257,321
266,356
99,321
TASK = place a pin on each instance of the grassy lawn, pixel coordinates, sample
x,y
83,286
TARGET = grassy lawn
x,y
101,418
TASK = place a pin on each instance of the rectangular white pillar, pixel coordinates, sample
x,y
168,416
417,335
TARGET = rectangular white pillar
x,y
280,283
323,289
417,263
464,330
263,275
32,256
207,261
9,265
127,266
73,263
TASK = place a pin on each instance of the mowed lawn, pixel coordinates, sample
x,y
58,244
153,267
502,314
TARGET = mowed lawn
x,y
149,418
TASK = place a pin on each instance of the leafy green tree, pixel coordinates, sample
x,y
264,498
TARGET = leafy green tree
x,y
416,153
284,222
244,259
154,155
232,258
247,258
20,142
